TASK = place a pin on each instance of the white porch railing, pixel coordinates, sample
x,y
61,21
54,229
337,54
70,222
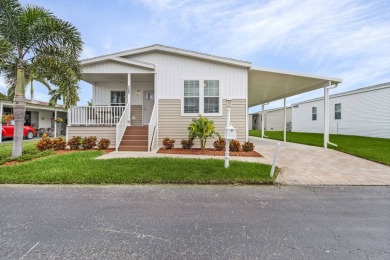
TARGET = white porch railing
x,y
122,125
95,115
152,129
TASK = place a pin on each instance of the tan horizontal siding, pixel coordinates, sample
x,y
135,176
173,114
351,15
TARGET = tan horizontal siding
x,y
136,111
108,132
172,124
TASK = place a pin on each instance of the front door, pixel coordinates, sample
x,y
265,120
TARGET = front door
x,y
148,106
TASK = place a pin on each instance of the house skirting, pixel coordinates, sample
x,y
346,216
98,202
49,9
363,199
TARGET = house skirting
x,y
108,132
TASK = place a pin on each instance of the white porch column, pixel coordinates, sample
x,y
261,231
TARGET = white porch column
x,y
129,98
262,120
1,124
55,123
285,122
326,115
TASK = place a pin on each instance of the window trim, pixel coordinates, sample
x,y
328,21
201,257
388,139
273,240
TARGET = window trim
x,y
337,111
201,97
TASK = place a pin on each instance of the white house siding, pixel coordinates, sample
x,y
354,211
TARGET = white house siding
x,y
173,125
108,132
45,119
275,119
103,90
113,67
172,70
363,113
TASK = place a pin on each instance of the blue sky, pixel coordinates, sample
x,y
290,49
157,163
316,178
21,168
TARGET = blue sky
x,y
348,39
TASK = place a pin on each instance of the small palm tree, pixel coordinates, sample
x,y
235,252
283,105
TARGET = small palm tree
x,y
33,39
201,128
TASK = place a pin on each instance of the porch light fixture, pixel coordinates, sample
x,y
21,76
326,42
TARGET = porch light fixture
x,y
138,92
229,103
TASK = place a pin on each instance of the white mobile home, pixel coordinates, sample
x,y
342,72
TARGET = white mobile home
x,y
364,112
141,96
273,119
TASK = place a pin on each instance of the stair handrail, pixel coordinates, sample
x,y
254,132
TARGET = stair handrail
x,y
152,127
121,125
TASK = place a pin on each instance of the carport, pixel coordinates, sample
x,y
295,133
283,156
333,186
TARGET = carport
x,y
266,85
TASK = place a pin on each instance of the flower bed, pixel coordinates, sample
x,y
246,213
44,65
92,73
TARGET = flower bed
x,y
207,151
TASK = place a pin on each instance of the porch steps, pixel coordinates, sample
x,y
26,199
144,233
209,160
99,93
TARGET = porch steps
x,y
135,138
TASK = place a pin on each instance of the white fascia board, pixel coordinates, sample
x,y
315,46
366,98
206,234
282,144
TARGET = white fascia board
x,y
120,60
332,79
171,50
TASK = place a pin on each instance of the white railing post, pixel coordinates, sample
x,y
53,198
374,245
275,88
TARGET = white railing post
x,y
121,126
151,127
276,155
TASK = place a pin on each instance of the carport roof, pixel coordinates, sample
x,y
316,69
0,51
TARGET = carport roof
x,y
266,85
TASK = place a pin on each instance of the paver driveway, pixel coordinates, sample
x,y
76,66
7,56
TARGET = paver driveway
x,y
309,165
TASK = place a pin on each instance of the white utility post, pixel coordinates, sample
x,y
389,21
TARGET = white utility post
x,y
1,121
129,97
55,123
262,120
230,133
285,122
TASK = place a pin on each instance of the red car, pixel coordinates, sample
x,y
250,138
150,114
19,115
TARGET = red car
x,y
8,131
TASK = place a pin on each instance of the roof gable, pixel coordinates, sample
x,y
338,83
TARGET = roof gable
x,y
169,50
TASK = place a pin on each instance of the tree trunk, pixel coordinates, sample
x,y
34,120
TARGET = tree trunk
x,y
19,113
32,90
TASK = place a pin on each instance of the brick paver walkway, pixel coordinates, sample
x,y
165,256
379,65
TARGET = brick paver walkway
x,y
309,165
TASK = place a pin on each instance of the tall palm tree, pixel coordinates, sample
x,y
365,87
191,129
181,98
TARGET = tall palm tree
x,y
31,36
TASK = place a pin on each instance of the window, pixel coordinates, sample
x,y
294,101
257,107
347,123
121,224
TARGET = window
x,y
211,96
118,98
337,111
191,96
201,97
314,113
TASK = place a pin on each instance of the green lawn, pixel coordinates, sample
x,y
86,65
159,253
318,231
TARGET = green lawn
x,y
374,149
82,168
30,151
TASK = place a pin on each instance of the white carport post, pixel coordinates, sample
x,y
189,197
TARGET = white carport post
x,y
262,120
55,123
129,98
1,122
285,122
326,114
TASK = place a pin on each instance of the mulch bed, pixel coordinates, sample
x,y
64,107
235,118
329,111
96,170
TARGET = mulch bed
x,y
109,150
207,151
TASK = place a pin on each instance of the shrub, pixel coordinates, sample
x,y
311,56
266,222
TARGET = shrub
x,y
187,143
89,142
58,143
168,143
220,144
103,143
201,128
248,146
75,142
45,143
234,146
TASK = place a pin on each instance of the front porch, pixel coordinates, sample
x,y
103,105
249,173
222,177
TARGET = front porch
x,y
123,96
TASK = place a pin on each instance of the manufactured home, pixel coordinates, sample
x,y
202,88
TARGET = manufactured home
x,y
273,119
364,112
40,116
142,95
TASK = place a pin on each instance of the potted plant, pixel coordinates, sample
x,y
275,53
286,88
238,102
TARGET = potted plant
x,y
7,119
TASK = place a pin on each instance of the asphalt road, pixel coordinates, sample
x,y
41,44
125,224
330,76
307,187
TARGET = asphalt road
x,y
195,222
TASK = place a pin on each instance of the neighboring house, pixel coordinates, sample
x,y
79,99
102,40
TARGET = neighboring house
x,y
39,115
273,119
364,112
141,96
